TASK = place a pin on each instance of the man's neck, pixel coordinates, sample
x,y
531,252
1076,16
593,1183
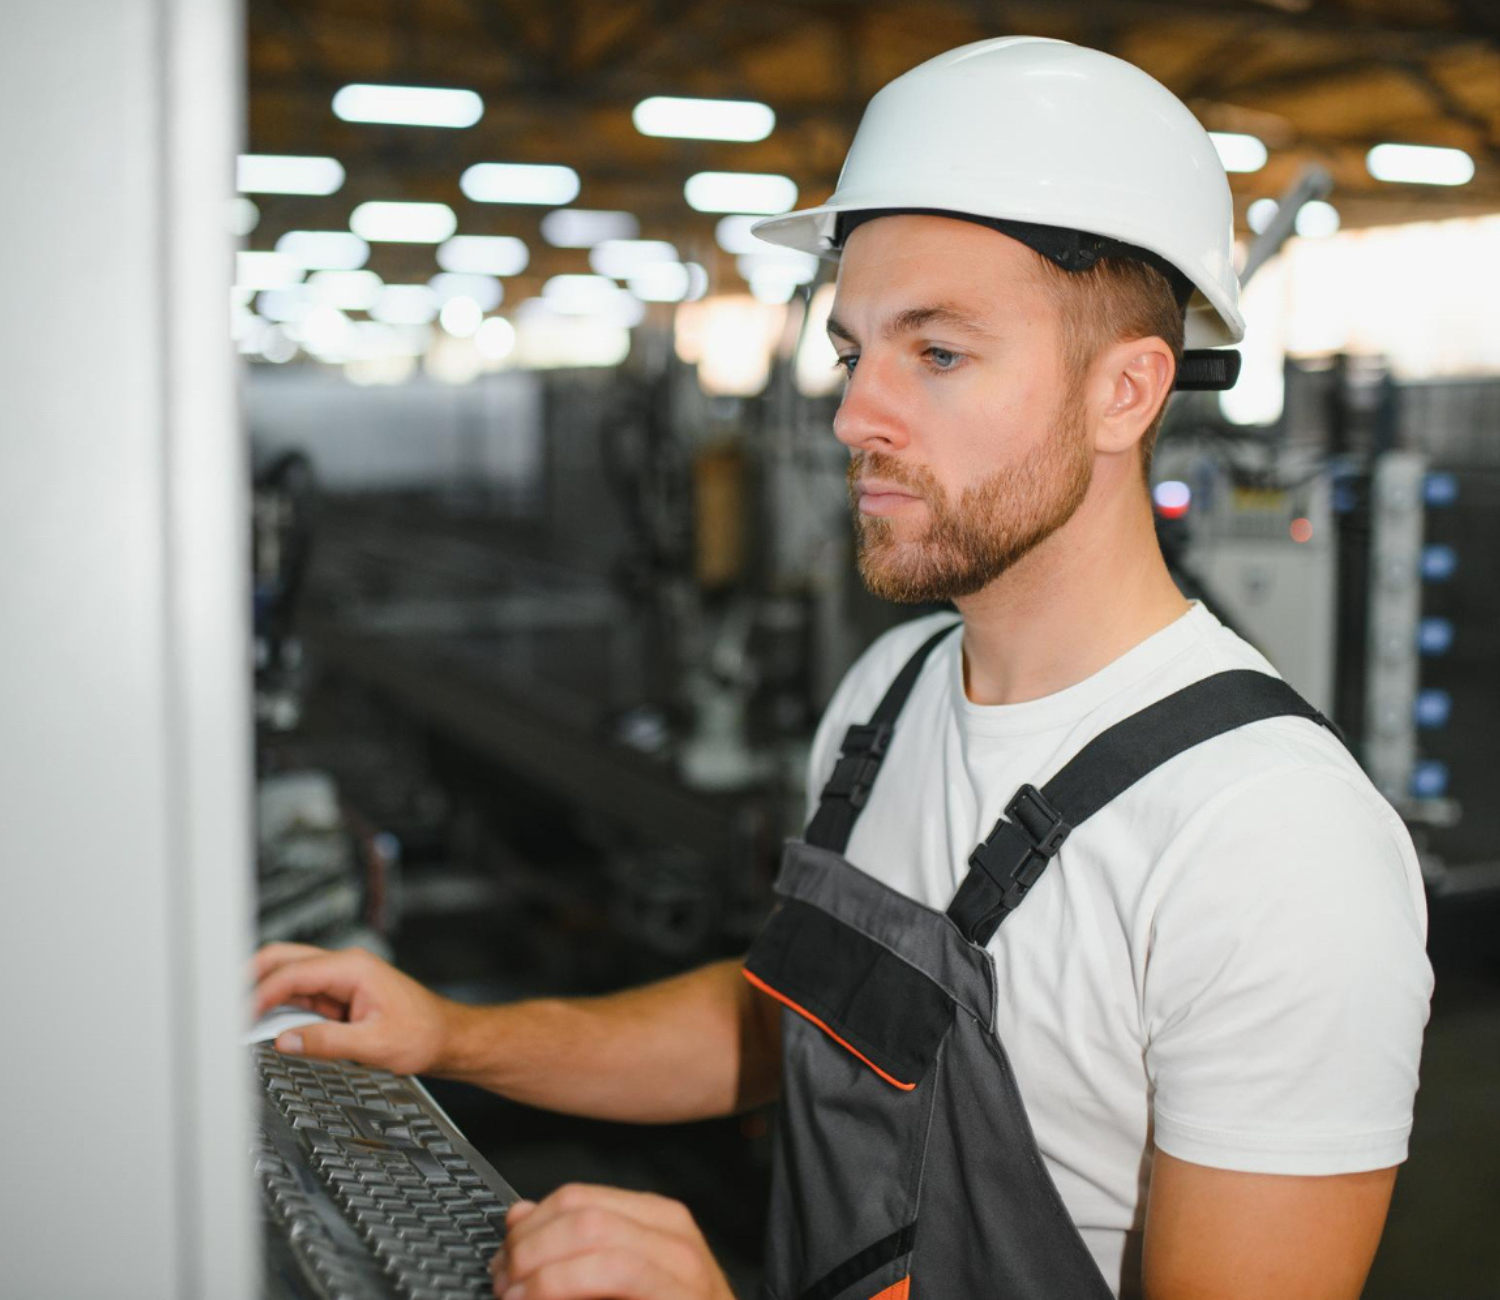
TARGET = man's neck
x,y
1093,590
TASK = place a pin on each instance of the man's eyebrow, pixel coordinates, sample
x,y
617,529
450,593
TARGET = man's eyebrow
x,y
915,318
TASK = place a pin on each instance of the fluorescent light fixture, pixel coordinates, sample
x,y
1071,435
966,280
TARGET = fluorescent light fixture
x,y
1317,220
496,339
244,216
621,258
704,119
265,271
740,192
1239,153
408,106
519,183
733,236
346,290
403,223
484,255
579,295
282,305
1419,164
324,250
772,288
325,333
461,317
1260,214
405,304
662,282
778,264
269,173
485,290
583,228
276,347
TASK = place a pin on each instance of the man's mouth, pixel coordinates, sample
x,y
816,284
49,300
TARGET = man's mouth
x,y
877,497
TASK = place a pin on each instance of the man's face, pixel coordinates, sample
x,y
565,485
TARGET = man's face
x,y
968,441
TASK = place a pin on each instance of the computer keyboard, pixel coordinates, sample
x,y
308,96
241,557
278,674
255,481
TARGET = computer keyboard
x,y
370,1190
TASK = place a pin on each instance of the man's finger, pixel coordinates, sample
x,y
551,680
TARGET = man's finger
x,y
572,1233
598,1275
331,1041
334,974
645,1208
274,955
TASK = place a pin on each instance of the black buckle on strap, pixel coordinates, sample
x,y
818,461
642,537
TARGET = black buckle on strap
x,y
1020,847
859,762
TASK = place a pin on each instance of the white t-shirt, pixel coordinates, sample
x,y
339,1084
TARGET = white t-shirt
x,y
1227,961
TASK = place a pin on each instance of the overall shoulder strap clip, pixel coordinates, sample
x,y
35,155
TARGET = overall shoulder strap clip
x,y
1007,864
854,774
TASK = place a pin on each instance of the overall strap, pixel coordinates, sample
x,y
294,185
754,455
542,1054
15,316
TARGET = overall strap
x,y
1003,869
860,758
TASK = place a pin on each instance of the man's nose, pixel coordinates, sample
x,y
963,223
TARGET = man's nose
x,y
872,415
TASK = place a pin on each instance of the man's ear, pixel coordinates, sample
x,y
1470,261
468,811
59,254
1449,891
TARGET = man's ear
x,y
1135,379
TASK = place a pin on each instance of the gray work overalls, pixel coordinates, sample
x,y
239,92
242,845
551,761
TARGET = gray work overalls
x,y
905,1165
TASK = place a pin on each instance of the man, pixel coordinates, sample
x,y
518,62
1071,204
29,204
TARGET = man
x,y
1185,1066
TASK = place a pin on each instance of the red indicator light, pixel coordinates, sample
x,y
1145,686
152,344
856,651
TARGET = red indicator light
x,y
1301,530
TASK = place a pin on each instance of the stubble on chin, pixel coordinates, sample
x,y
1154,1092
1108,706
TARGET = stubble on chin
x,y
969,543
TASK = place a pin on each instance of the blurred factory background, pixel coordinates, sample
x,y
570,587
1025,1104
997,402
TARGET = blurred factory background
x,y
552,561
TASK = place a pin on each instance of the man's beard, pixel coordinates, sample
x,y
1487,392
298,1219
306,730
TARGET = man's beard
x,y
994,524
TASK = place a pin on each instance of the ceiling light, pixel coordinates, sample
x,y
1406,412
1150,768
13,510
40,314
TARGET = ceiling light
x,y
484,254
778,264
483,289
704,119
403,223
581,228
1260,214
1419,164
461,317
1239,153
519,183
740,192
324,250
663,282
1317,219
346,290
408,106
733,236
496,339
276,347
282,305
405,304
266,173
621,258
578,295
265,271
325,333
244,216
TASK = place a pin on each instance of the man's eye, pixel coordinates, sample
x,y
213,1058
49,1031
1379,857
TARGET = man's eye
x,y
942,358
846,364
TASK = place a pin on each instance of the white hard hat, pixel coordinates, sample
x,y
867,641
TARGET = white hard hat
x,y
1023,129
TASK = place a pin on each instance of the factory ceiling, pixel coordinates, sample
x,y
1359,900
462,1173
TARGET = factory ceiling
x,y
1316,80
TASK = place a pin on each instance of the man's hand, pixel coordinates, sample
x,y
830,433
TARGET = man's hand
x,y
599,1243
377,1015
1213,1234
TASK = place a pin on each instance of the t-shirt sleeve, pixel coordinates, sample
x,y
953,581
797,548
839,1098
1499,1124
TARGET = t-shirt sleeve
x,y
1287,984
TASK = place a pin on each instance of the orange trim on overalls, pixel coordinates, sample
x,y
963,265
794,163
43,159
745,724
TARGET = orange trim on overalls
x,y
889,1293
899,1291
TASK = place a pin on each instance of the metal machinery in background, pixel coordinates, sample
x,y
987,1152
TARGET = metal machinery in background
x,y
1348,543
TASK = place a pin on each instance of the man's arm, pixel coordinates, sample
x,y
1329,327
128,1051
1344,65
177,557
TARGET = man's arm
x,y
698,1045
1215,1234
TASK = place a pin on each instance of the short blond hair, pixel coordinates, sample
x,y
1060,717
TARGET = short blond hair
x,y
1115,299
